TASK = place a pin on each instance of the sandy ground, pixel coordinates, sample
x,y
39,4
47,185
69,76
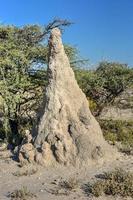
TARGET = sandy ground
x,y
44,183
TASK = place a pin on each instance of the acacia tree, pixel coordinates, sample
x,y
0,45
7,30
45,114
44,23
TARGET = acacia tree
x,y
105,83
22,52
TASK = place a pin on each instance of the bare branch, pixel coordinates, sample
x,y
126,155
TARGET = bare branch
x,y
56,23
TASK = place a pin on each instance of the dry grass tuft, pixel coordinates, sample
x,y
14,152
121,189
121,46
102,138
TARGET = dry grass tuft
x,y
21,194
64,187
26,171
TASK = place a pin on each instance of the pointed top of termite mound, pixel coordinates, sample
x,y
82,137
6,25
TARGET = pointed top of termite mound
x,y
55,41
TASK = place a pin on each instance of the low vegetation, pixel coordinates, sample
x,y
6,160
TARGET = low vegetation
x,y
70,184
26,171
118,131
117,182
21,194
65,187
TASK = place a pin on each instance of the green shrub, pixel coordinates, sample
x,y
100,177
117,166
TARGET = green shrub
x,y
105,83
109,136
92,105
117,130
118,182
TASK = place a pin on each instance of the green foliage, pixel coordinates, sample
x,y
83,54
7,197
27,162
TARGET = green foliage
x,y
110,137
116,130
115,78
85,79
92,105
15,61
72,54
118,182
105,83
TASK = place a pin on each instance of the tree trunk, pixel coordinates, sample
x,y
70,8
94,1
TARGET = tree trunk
x,y
15,138
13,126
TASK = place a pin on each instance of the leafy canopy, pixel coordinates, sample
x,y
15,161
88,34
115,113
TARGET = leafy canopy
x,y
23,57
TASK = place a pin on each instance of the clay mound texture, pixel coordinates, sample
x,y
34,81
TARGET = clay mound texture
x,y
67,132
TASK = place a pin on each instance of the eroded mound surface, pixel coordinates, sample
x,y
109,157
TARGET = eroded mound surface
x,y
66,132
